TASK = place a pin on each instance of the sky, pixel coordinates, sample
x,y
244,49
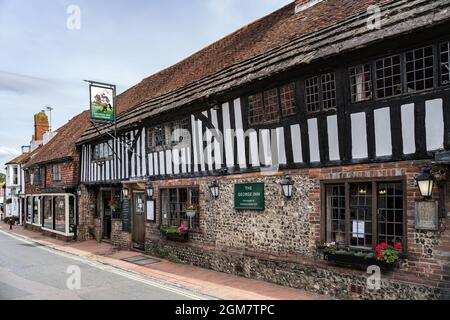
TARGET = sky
x,y
46,52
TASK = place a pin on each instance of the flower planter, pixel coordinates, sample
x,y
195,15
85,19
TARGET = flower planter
x,y
182,237
357,262
191,213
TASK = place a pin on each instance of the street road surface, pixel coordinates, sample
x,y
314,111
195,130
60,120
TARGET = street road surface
x,y
32,272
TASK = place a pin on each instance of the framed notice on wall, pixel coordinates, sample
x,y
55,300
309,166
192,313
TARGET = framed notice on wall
x,y
249,196
151,210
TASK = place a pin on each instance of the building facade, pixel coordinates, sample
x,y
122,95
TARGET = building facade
x,y
52,179
350,113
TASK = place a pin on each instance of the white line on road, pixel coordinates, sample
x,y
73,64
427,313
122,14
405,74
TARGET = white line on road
x,y
108,268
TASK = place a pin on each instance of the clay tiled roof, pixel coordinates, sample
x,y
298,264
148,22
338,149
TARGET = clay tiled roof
x,y
270,45
266,33
23,158
62,146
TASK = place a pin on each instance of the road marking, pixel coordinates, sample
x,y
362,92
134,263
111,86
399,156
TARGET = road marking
x,y
108,268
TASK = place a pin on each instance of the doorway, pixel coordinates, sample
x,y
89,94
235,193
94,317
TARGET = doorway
x,y
107,215
139,219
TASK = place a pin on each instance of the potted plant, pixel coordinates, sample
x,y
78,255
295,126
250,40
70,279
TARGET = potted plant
x,y
191,209
114,205
178,234
384,256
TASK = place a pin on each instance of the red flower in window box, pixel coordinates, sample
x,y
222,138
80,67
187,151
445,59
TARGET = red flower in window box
x,y
381,256
378,249
398,246
383,245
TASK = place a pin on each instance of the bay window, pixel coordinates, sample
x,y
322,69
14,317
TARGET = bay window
x,y
364,213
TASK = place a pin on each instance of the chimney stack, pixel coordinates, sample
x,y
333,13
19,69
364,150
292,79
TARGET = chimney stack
x,y
41,126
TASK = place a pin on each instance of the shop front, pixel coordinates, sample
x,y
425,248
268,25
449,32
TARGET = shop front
x,y
52,213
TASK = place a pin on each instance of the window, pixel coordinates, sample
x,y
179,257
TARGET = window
x,y
287,97
320,93
270,105
103,151
445,63
35,210
172,206
328,91
35,177
59,209
361,83
168,135
388,77
419,66
15,176
349,213
56,173
312,94
48,213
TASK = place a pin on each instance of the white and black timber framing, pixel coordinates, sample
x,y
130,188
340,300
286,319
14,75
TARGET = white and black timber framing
x,y
406,127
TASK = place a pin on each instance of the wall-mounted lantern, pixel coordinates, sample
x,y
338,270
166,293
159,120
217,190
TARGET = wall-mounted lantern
x,y
214,188
125,193
287,184
149,188
425,181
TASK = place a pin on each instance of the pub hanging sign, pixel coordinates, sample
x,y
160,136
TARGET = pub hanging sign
x,y
102,101
249,196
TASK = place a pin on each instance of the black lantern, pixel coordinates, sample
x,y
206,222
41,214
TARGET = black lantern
x,y
125,193
287,185
149,187
425,181
214,187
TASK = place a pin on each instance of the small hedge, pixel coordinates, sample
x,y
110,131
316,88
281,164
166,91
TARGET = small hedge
x,y
11,220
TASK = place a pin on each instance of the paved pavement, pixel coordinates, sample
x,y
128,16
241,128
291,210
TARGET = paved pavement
x,y
191,280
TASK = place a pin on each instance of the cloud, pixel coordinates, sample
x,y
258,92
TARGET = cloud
x,y
8,152
22,83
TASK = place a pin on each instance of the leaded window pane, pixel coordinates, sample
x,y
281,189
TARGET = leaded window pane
x,y
419,65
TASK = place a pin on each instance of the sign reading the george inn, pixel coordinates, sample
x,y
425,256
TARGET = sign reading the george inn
x,y
102,102
427,215
249,196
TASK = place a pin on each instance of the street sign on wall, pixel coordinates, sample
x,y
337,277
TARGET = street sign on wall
x,y
102,102
249,196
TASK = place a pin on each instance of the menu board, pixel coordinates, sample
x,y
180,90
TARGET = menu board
x,y
126,215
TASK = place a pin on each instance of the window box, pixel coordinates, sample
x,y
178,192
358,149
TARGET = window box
x,y
359,262
175,234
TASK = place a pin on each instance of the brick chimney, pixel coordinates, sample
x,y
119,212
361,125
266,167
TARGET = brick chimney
x,y
302,5
41,126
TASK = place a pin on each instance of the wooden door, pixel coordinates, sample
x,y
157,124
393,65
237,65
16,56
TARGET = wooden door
x,y
139,219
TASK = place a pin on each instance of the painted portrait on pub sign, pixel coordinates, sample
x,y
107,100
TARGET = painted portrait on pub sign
x,y
102,103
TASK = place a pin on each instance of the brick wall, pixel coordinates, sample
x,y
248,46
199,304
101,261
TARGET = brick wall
x,y
287,233
119,239
87,212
